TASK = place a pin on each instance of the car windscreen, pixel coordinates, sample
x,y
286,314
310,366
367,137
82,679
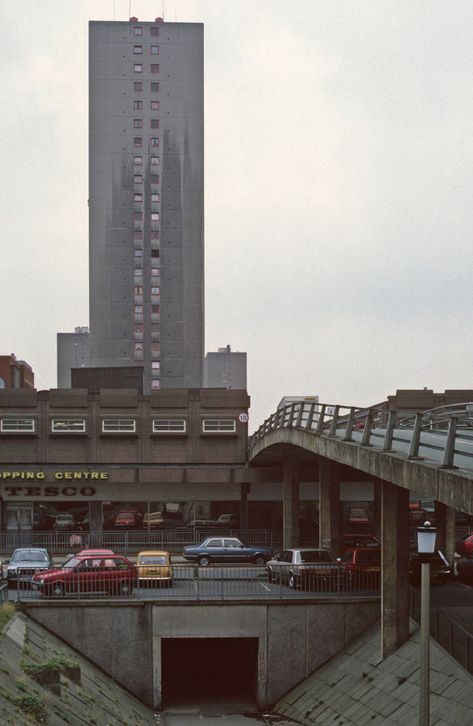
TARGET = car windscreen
x,y
315,557
73,562
153,560
30,556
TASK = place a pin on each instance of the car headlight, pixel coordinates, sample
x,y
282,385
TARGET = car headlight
x,y
40,580
12,570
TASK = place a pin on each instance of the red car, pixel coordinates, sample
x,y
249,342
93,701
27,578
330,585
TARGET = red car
x,y
112,574
362,567
127,520
465,545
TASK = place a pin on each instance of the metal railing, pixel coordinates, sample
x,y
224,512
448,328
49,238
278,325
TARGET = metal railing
x,y
132,541
453,637
3,592
444,434
195,582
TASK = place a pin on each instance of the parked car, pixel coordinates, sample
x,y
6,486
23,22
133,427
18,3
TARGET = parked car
x,y
465,567
228,520
440,568
153,520
465,544
154,567
359,517
226,549
361,567
129,519
352,541
114,575
304,568
63,522
25,562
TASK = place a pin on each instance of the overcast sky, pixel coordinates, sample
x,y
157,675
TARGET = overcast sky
x,y
339,177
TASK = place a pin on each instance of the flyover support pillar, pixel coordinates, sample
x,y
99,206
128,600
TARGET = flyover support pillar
x,y
395,567
245,490
445,522
290,499
329,506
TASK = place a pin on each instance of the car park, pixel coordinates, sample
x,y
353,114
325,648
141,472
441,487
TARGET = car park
x,y
154,568
112,575
25,562
440,568
226,549
304,568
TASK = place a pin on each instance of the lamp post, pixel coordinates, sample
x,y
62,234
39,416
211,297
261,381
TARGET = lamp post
x,y
426,536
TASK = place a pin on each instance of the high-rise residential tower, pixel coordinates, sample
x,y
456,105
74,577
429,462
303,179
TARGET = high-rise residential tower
x,y
146,199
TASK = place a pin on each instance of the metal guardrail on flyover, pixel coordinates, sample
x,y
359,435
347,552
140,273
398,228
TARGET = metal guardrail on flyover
x,y
194,582
443,435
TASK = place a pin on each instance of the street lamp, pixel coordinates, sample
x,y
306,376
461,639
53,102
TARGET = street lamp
x,y
426,536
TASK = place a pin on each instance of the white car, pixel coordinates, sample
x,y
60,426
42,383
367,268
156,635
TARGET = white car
x,y
303,567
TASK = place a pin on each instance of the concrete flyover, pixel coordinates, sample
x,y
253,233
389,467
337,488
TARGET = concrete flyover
x,y
429,453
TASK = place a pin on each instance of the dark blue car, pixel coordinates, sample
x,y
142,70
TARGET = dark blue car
x,y
226,549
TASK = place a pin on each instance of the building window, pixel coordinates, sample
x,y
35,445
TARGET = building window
x,y
155,234
154,86
154,160
138,105
65,425
138,178
14,425
155,123
154,67
137,160
169,425
155,272
155,365
215,425
155,290
154,49
154,141
155,309
138,309
155,384
138,67
137,30
155,198
137,85
155,105
138,290
118,425
137,197
137,141
138,234
154,253
138,253
137,123
137,49
137,216
154,31
155,216
154,178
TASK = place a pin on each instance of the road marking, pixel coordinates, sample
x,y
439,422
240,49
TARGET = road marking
x,y
265,586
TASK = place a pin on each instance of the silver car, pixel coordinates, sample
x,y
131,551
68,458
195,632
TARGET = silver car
x,y
304,567
25,562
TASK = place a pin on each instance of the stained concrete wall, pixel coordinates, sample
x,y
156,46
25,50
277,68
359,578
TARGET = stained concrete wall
x,y
294,638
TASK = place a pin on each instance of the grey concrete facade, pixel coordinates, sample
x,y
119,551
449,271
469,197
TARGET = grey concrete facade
x,y
146,199
225,369
73,351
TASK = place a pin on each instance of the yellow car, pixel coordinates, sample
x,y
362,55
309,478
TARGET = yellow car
x,y
154,567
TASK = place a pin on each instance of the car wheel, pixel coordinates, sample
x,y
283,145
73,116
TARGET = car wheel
x,y
204,560
125,588
58,589
293,581
259,560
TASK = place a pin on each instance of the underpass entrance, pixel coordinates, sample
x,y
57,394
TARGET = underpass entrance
x,y
212,674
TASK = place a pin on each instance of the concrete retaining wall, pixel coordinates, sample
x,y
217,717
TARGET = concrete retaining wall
x,y
125,638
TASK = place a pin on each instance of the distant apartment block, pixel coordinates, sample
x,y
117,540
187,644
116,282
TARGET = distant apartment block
x,y
146,199
73,351
225,369
15,373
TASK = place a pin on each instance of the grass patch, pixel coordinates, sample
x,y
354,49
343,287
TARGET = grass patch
x,y
34,707
7,611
